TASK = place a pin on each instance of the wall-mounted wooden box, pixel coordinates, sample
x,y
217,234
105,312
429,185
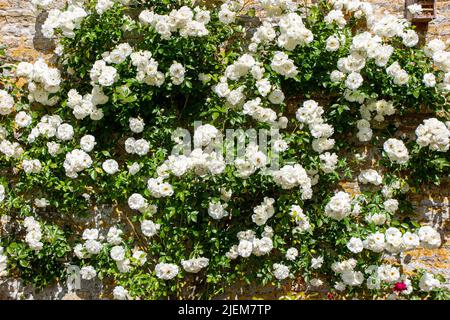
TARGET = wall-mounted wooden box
x,y
428,11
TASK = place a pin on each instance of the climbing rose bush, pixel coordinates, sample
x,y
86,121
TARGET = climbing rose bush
x,y
90,177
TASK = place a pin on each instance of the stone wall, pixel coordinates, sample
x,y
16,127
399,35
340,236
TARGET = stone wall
x,y
20,31
20,25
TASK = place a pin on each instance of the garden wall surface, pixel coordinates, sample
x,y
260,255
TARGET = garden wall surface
x,y
20,31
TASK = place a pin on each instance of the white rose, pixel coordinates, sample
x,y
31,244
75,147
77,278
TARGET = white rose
x,y
137,201
355,245
117,253
149,228
88,273
65,132
87,143
136,125
22,119
110,166
120,293
166,271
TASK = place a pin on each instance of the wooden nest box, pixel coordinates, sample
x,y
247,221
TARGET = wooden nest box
x,y
421,19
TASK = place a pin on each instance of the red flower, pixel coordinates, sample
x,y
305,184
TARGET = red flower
x,y
400,286
330,296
